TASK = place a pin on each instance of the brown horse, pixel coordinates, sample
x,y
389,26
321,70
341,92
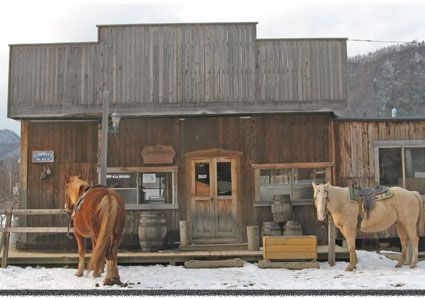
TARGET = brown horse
x,y
98,213
404,208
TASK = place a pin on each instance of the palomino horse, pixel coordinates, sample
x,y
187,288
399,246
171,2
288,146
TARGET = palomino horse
x,y
404,208
98,213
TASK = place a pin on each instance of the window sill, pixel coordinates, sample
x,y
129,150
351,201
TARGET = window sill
x,y
302,202
151,207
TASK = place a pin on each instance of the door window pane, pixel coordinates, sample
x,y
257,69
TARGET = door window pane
x,y
202,178
390,172
415,169
224,178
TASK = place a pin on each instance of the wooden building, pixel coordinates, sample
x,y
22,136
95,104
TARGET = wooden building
x,y
386,151
214,121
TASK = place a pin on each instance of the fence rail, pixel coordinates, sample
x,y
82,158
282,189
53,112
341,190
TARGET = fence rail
x,y
7,229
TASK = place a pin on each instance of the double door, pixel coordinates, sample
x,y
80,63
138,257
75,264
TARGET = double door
x,y
213,200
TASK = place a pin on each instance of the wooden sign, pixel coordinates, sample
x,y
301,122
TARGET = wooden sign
x,y
158,154
43,156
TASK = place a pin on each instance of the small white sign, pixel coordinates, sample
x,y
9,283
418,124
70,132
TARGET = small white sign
x,y
149,178
43,156
202,176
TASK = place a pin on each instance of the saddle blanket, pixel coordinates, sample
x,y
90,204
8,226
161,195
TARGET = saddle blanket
x,y
387,194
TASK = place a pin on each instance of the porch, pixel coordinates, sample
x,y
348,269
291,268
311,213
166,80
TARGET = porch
x,y
172,257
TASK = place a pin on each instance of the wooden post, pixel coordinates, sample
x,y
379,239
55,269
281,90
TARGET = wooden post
x,y
253,238
104,148
331,241
6,237
184,233
23,174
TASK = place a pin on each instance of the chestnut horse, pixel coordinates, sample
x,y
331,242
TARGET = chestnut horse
x,y
404,208
99,213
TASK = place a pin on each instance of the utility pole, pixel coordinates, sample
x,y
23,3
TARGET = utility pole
x,y
104,148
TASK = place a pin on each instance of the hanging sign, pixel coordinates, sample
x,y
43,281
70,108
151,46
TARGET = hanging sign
x,y
43,156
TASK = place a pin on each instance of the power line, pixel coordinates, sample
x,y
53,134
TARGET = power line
x,y
379,41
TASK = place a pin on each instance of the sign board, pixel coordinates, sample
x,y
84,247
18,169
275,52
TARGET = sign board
x,y
43,156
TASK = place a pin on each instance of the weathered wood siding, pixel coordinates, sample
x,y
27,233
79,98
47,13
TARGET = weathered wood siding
x,y
301,70
175,70
261,139
45,77
354,151
75,148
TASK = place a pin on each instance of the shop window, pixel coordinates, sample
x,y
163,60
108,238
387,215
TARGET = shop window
x,y
294,179
146,187
401,163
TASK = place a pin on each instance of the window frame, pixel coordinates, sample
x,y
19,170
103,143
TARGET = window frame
x,y
154,169
328,166
401,144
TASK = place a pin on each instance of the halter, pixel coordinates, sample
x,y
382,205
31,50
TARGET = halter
x,y
326,202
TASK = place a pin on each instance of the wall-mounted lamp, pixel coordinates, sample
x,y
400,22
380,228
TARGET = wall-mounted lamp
x,y
115,117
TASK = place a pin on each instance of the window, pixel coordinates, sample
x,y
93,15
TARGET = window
x,y
145,187
401,163
292,178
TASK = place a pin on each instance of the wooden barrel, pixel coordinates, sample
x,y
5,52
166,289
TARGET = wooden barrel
x,y
272,229
281,207
152,231
292,228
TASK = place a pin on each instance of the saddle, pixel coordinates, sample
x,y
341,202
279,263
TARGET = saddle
x,y
368,196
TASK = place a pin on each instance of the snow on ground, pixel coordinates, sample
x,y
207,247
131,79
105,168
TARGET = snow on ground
x,y
374,271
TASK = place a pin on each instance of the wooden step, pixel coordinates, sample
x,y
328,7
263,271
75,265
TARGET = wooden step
x,y
201,264
214,247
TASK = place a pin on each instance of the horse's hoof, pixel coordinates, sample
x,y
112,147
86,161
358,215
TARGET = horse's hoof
x,y
350,268
79,273
96,274
112,281
412,266
399,265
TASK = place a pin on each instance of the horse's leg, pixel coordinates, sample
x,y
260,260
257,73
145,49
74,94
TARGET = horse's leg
x,y
81,242
350,237
404,241
413,236
112,274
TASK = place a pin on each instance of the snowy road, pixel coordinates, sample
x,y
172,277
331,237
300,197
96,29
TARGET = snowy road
x,y
374,272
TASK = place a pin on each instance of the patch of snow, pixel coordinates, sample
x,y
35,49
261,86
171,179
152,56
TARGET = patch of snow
x,y
374,271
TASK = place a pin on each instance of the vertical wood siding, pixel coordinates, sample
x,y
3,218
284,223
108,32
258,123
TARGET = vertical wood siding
x,y
177,69
261,139
354,152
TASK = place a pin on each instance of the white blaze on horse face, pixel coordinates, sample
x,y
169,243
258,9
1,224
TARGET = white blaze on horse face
x,y
321,203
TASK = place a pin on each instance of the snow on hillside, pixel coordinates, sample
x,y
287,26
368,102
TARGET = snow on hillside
x,y
374,271
8,136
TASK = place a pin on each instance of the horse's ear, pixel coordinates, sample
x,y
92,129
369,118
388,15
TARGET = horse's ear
x,y
67,178
327,184
314,185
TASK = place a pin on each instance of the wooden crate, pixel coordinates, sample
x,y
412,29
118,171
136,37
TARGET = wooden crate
x,y
289,248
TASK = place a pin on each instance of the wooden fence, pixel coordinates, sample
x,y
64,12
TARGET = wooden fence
x,y
7,229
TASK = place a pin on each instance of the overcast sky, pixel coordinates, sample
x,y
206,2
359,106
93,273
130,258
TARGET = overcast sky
x,y
57,21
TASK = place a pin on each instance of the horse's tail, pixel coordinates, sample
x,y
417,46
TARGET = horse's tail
x,y
420,221
108,210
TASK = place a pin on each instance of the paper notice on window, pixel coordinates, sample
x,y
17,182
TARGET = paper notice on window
x,y
202,176
149,178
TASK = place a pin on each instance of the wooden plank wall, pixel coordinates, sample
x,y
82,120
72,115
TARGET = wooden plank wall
x,y
197,63
177,69
297,70
45,76
75,148
354,151
262,139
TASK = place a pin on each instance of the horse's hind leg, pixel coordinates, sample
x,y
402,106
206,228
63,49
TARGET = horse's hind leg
x,y
81,242
112,274
413,236
404,241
